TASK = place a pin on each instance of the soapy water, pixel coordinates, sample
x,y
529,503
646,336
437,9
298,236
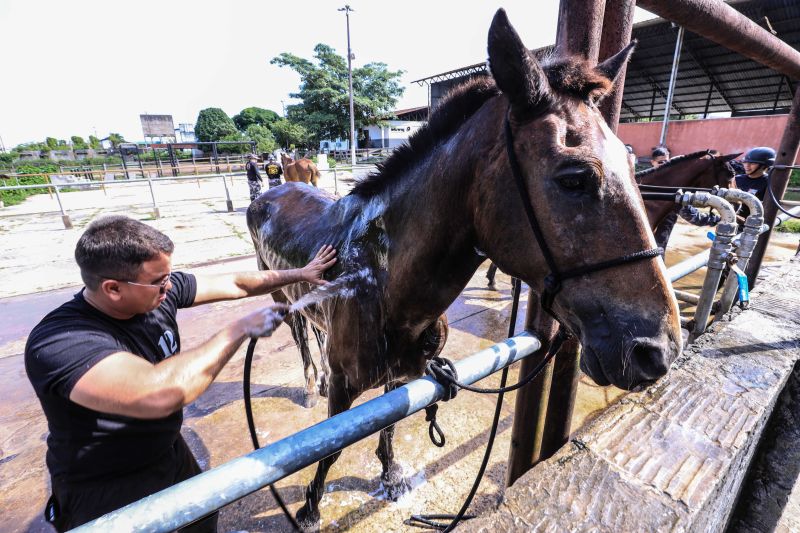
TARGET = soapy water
x,y
341,287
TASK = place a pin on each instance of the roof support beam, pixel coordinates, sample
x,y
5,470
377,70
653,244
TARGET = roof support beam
x,y
656,87
719,22
710,76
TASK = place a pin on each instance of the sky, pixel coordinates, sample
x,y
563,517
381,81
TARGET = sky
x,y
89,67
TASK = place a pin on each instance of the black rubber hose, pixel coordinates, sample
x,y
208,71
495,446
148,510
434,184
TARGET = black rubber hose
x,y
428,520
660,196
248,410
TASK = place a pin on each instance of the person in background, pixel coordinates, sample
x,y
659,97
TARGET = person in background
x,y
755,178
659,156
631,156
274,171
112,377
254,179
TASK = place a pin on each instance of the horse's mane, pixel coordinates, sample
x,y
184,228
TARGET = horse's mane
x,y
674,161
570,76
460,103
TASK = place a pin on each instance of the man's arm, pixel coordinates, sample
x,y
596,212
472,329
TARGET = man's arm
x,y
128,385
215,288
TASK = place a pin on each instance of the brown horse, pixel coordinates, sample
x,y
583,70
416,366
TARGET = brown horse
x,y
411,236
303,170
696,170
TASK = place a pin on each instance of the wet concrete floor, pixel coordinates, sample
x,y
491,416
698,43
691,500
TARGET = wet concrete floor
x,y
216,429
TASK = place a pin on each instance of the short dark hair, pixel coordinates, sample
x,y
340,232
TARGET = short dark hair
x,y
114,247
660,151
629,148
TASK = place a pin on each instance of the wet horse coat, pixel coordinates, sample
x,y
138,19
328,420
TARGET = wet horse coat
x,y
411,236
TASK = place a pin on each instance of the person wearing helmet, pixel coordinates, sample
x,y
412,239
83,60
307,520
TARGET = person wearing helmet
x,y
254,179
757,162
274,171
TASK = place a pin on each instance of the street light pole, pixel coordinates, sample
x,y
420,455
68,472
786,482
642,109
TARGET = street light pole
x,y
347,9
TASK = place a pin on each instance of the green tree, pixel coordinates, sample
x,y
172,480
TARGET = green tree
x,y
51,143
288,133
213,124
115,139
234,148
263,137
325,107
254,115
94,143
78,143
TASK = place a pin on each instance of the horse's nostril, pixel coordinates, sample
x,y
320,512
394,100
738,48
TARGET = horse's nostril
x,y
650,360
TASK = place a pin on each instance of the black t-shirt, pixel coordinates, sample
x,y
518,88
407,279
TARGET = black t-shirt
x,y
84,444
757,186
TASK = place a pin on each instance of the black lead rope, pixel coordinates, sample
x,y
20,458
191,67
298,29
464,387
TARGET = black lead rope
x,y
248,409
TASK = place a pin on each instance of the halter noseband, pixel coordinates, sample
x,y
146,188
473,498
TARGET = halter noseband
x,y
554,280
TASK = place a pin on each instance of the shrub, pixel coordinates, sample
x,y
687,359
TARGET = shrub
x,y
789,226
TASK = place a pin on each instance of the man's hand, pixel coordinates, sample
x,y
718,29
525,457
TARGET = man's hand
x,y
264,321
313,271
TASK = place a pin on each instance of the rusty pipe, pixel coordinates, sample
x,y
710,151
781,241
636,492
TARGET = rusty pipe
x,y
719,22
616,34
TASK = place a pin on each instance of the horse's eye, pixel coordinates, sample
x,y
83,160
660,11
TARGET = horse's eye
x,y
572,180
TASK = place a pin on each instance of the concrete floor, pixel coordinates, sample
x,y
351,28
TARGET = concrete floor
x,y
215,424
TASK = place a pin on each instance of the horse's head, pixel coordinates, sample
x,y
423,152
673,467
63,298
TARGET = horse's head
x,y
286,159
579,182
721,172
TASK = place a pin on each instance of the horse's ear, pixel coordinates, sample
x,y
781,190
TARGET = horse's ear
x,y
515,70
611,67
730,157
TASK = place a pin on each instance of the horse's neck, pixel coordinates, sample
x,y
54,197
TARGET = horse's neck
x,y
431,236
684,174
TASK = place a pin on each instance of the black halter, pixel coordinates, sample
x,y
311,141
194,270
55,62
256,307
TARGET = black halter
x,y
553,281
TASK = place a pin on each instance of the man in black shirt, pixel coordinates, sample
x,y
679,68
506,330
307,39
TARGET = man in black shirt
x,y
112,378
253,177
274,172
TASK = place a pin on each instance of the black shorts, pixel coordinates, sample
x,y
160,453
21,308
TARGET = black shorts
x,y
73,504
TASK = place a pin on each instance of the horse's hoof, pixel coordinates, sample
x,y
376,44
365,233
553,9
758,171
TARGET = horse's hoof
x,y
310,400
308,521
395,483
323,387
491,286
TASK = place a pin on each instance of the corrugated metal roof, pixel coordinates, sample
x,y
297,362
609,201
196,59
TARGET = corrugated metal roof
x,y
710,78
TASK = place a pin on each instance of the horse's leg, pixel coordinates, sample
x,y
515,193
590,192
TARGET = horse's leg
x,y
323,360
300,335
340,399
490,274
392,476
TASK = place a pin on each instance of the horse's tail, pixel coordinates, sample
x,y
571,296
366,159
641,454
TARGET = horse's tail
x,y
314,175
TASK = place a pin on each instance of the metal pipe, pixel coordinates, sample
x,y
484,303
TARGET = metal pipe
x,y
580,24
228,200
156,212
676,59
201,495
720,252
687,266
615,35
64,216
746,242
721,23
687,296
783,217
779,179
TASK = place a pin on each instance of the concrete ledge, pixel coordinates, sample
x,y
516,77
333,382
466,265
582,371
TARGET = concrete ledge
x,y
672,457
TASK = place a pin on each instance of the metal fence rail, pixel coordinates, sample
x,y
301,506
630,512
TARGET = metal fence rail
x,y
203,494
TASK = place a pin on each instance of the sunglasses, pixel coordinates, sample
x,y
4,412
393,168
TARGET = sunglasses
x,y
162,285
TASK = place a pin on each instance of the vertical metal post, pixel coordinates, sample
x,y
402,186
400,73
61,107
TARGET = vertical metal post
x,y
216,155
228,200
124,165
676,59
779,180
708,99
347,9
652,104
778,94
64,216
156,212
530,409
616,34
